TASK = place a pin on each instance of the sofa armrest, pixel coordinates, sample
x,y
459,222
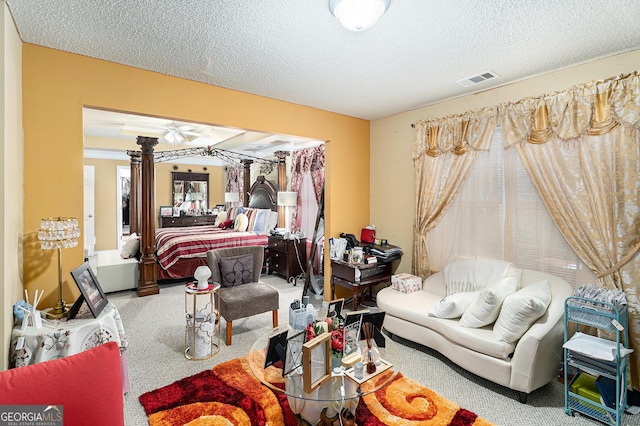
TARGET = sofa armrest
x,y
434,283
88,386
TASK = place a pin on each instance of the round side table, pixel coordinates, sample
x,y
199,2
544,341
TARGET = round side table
x,y
202,331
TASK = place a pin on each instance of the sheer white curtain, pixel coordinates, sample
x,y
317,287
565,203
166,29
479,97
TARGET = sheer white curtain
x,y
308,206
498,214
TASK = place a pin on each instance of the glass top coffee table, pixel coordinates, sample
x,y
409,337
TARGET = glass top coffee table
x,y
336,389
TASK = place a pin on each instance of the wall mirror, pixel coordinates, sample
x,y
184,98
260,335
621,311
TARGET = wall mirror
x,y
190,191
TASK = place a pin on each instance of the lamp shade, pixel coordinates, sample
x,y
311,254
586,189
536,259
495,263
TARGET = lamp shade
x,y
287,199
358,15
231,197
58,232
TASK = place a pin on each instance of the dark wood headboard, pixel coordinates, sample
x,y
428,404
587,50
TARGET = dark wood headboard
x,y
263,195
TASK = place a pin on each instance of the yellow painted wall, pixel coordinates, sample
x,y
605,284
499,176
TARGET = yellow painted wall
x,y
11,178
392,173
56,85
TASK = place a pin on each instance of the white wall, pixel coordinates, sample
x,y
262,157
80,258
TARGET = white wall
x,y
392,173
11,177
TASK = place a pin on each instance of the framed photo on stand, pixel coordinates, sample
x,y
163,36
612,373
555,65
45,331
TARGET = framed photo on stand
x,y
316,362
276,348
166,211
90,291
293,355
334,308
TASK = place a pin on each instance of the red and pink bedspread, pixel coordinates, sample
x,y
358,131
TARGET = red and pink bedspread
x,y
175,244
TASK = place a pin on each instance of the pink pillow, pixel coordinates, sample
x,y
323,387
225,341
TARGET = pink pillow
x,y
88,386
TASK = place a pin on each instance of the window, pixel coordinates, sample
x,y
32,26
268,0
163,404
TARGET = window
x,y
498,214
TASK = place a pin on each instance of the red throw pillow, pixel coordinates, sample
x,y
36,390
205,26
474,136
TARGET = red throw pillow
x,y
226,224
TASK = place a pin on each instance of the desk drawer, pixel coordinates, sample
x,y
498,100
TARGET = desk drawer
x,y
349,273
278,262
278,244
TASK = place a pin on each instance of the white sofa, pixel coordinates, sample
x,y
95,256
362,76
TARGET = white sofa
x,y
523,366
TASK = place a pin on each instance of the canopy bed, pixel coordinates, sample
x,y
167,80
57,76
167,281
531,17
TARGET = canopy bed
x,y
184,248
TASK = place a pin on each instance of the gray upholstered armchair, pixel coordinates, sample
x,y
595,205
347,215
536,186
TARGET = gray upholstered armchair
x,y
242,294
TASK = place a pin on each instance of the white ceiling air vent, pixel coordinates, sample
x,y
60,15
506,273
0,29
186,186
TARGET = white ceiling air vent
x,y
476,79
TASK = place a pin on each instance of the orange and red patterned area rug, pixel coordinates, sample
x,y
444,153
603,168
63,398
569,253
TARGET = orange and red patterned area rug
x,y
231,395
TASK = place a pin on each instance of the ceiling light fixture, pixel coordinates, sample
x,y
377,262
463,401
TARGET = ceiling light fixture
x,y
358,15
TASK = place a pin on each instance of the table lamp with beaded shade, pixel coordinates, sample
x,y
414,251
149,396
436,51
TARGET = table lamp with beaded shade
x,y
58,233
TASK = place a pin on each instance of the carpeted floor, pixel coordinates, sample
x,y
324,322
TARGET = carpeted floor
x,y
155,328
230,394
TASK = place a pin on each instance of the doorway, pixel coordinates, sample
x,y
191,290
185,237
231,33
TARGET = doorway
x,y
123,192
89,239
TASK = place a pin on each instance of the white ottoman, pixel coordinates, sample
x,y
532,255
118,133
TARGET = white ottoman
x,y
115,273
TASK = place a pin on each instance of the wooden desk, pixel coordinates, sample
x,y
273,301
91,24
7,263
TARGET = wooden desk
x,y
359,277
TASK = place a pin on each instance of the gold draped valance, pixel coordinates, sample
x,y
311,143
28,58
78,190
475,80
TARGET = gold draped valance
x,y
592,109
455,133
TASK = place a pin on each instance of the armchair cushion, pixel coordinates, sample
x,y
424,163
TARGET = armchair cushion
x,y
236,270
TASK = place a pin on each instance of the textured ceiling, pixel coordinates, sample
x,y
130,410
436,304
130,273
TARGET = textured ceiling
x,y
295,50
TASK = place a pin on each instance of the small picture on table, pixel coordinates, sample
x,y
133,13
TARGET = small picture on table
x,y
166,211
90,290
334,308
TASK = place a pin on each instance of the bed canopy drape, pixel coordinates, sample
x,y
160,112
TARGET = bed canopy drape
x,y
302,161
143,219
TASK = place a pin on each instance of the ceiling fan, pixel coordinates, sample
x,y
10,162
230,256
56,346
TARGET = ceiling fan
x,y
177,134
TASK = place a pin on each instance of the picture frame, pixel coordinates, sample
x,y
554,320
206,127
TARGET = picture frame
x,y
316,362
334,308
166,211
377,319
276,348
89,288
293,355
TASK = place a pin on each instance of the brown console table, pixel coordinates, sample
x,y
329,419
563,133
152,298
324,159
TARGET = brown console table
x,y
359,278
180,221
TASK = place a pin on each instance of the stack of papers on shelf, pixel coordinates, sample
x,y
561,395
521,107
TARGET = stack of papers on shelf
x,y
385,251
595,347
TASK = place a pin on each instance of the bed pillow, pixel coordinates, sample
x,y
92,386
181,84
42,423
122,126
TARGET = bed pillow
x,y
486,307
272,222
226,224
260,223
222,216
241,222
454,305
520,310
131,246
236,270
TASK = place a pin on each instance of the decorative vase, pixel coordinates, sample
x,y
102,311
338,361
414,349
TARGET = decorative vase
x,y
370,355
336,361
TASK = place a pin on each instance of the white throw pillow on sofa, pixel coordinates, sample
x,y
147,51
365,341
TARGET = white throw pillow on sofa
x,y
486,307
520,310
454,305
